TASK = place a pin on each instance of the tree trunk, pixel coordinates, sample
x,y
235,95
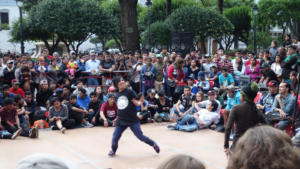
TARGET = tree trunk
x,y
131,39
236,42
169,7
203,48
220,6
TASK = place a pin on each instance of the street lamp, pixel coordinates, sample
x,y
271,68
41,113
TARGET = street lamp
x,y
19,4
255,12
148,4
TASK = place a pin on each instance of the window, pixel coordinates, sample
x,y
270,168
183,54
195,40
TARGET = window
x,y
4,18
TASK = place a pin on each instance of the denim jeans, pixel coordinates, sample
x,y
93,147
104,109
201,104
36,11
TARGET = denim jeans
x,y
136,129
92,81
188,123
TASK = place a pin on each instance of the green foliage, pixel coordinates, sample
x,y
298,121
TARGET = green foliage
x,y
240,17
264,40
158,11
111,44
4,27
160,34
200,21
237,3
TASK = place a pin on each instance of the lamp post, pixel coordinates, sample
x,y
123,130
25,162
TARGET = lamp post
x,y
19,4
148,4
255,12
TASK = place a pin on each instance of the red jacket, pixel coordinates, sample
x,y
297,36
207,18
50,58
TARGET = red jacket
x,y
180,74
19,91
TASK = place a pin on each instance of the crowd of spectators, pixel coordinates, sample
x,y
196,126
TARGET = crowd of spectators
x,y
63,91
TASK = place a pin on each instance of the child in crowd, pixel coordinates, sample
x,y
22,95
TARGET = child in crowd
x,y
72,66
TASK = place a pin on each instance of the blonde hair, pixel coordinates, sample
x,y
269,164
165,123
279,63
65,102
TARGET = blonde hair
x,y
181,161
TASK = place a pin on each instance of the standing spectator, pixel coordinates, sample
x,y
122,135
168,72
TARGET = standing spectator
x,y
72,66
287,41
159,67
9,72
274,49
243,116
107,66
5,94
253,70
59,116
250,57
43,96
175,77
15,89
41,68
296,43
148,75
238,68
92,67
47,57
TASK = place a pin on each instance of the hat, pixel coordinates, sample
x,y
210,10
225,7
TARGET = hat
x,y
111,89
58,90
273,83
10,61
249,92
45,161
152,91
211,92
264,65
159,55
15,82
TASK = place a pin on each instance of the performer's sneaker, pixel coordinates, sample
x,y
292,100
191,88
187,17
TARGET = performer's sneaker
x,y
111,153
156,148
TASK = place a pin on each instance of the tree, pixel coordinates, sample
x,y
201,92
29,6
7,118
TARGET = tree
x,y
240,17
69,21
201,22
281,13
130,32
158,11
4,27
220,6
160,34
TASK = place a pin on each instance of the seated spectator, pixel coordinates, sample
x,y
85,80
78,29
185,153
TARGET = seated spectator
x,y
163,111
253,70
77,113
10,121
152,102
276,67
30,106
83,99
143,113
202,84
22,113
9,72
225,62
94,106
202,119
15,89
225,79
275,148
233,99
194,69
214,75
267,75
5,94
289,63
184,104
266,102
79,85
99,93
283,107
181,162
7,135
43,96
293,78
251,55
66,93
59,116
110,90
107,115
238,68
219,97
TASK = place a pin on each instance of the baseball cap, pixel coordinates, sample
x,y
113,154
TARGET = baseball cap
x,y
15,82
45,161
273,83
111,89
211,92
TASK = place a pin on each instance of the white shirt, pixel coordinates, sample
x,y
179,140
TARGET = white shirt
x,y
276,68
92,65
207,117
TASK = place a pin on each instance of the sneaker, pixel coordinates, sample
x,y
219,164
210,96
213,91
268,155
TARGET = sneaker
x,y
33,132
88,125
111,153
63,130
156,148
16,134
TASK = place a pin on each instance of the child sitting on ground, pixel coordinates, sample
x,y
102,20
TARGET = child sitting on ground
x,y
143,113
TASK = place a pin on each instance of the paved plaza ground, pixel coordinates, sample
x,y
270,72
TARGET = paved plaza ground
x,y
88,147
